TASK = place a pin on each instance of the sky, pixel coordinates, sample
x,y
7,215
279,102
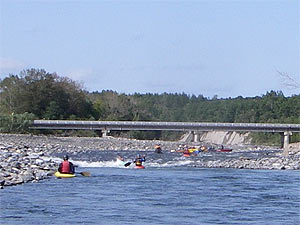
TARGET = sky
x,y
224,48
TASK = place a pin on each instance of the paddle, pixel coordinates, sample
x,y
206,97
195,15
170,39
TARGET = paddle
x,y
85,173
127,164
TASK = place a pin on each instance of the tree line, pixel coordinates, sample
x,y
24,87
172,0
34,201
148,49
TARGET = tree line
x,y
37,94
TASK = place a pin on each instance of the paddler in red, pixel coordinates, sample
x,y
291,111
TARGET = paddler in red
x,y
186,153
66,166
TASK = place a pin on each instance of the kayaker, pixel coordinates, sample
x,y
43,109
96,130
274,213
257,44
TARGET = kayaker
x,y
186,153
120,158
66,166
182,148
157,149
121,161
139,160
203,148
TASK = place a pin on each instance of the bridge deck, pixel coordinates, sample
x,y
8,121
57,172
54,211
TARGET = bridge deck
x,y
178,126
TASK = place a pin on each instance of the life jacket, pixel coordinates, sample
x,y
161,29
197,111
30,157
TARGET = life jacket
x,y
138,162
65,167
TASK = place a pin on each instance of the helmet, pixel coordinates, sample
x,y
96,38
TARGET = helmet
x,y
66,157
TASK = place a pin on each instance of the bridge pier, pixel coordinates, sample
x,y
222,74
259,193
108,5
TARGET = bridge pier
x,y
105,132
286,141
287,138
196,136
191,136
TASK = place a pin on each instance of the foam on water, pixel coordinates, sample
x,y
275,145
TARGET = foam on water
x,y
79,163
113,163
176,162
169,163
120,164
102,159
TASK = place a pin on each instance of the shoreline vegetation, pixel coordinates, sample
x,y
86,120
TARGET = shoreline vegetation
x,y
27,158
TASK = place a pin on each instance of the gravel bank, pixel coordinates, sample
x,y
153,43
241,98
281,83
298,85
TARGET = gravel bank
x,y
23,158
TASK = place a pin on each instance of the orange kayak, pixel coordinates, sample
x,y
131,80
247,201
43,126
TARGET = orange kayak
x,y
139,167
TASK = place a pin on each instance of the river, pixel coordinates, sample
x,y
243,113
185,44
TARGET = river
x,y
163,193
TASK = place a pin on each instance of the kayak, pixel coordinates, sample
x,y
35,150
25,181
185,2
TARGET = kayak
x,y
186,155
191,150
139,167
158,150
224,150
64,175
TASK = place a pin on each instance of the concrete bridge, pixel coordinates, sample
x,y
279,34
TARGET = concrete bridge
x,y
193,127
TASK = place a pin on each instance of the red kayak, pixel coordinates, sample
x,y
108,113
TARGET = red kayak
x,y
186,155
224,150
139,167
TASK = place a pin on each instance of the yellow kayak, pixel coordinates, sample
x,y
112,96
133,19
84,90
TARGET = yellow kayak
x,y
64,175
191,150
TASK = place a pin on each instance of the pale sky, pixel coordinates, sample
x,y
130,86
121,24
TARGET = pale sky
x,y
209,47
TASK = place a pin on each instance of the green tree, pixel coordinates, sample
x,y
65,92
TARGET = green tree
x,y
11,99
44,94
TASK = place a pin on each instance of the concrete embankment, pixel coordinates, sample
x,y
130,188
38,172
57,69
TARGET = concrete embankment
x,y
219,137
225,138
25,158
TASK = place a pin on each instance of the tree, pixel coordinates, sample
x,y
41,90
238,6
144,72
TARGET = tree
x,y
44,94
289,81
11,99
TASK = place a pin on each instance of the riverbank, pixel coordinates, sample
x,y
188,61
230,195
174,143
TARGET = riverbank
x,y
27,158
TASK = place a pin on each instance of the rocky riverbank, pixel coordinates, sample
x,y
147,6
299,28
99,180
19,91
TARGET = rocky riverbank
x,y
26,158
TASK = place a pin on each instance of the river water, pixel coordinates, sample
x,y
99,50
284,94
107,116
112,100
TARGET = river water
x,y
163,193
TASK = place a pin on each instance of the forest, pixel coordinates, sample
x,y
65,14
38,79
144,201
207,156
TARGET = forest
x,y
37,94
